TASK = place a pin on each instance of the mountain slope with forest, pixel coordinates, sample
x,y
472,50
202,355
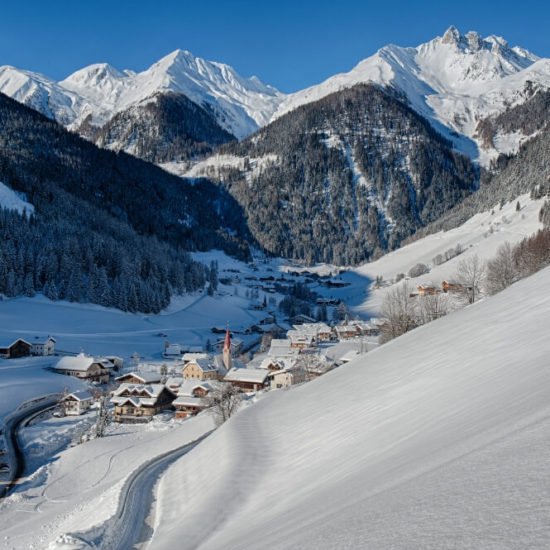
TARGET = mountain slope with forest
x,y
107,227
343,179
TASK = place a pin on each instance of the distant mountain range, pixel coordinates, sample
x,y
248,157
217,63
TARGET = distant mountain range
x,y
455,81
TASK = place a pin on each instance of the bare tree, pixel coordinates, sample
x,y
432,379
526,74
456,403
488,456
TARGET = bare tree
x,y
223,401
470,274
399,308
432,307
502,270
306,366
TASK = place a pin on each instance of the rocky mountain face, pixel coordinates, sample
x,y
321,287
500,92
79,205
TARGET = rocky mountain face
x,y
343,179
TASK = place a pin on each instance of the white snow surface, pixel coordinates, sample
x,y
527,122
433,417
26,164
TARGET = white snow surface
x,y
10,200
454,81
439,439
240,105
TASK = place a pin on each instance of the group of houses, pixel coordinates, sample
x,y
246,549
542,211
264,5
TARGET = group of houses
x,y
20,347
88,368
447,287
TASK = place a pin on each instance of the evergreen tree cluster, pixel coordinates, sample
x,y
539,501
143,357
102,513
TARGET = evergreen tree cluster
x,y
74,262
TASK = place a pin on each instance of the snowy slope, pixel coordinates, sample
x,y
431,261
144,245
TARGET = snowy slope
x,y
10,200
438,439
454,81
240,105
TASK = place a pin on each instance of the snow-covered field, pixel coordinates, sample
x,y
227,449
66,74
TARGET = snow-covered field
x,y
439,439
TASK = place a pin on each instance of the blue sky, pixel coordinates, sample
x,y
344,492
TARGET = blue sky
x,y
289,44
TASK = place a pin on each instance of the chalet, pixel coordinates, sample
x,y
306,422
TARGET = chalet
x,y
18,348
453,286
190,398
320,331
427,290
282,348
83,367
361,327
203,368
137,403
172,351
77,403
118,362
248,380
140,378
300,319
346,332
283,379
301,340
174,383
272,364
43,346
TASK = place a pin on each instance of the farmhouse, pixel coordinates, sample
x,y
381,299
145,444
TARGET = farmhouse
x,y
140,378
453,286
282,348
77,403
43,346
18,348
172,351
248,380
190,399
202,368
346,332
137,403
300,340
83,367
427,290
283,379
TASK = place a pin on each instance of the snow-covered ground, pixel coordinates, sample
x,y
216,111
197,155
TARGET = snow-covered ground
x,y
439,439
11,200
79,487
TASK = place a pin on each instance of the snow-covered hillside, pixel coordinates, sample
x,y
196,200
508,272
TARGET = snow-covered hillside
x,y
438,439
454,81
10,200
240,105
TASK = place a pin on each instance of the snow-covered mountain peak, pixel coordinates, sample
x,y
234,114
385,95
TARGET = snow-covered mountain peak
x,y
453,80
240,105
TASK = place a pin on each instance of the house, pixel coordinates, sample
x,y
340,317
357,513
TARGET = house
x,y
248,380
300,319
18,348
77,403
190,356
174,383
43,346
320,331
118,362
172,351
137,403
84,367
427,290
202,368
283,379
346,332
190,398
140,378
282,348
453,286
300,340
272,364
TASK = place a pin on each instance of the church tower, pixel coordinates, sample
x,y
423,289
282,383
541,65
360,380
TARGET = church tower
x,y
227,359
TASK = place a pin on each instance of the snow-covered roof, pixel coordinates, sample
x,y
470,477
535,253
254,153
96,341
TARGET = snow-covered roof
x,y
206,364
80,395
153,390
191,356
174,381
40,340
173,349
146,377
15,342
255,376
189,386
187,400
79,363
281,348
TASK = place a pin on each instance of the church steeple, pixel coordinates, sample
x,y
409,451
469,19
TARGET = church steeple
x,y
227,359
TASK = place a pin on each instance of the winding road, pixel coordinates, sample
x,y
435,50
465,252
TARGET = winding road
x,y
127,528
15,456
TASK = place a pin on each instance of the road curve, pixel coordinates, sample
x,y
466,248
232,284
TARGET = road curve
x,y
12,423
127,528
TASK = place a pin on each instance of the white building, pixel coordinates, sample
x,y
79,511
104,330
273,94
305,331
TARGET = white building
x,y
43,346
77,403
